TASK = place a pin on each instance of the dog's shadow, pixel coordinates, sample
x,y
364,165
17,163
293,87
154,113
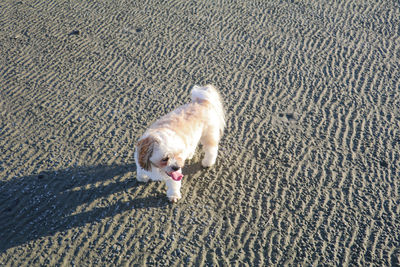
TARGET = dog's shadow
x,y
192,168
43,204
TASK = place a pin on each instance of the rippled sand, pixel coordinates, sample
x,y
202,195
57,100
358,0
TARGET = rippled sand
x,y
308,171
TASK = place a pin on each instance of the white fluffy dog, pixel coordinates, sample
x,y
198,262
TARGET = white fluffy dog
x,y
162,150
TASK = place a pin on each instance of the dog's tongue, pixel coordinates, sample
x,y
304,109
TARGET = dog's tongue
x,y
177,176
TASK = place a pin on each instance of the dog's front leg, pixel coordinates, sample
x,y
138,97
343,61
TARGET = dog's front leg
x,y
141,175
173,190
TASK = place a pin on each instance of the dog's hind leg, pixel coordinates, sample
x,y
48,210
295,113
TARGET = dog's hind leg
x,y
210,147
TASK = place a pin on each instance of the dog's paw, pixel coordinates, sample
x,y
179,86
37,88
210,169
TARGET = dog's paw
x,y
206,162
174,199
142,178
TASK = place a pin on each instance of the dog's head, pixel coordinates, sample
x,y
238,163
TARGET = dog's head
x,y
157,153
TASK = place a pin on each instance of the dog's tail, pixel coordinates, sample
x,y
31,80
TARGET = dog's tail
x,y
211,95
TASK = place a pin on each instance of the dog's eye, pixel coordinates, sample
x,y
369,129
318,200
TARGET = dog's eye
x,y
165,159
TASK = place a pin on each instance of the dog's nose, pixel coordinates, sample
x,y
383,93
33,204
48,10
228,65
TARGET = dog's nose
x,y
175,168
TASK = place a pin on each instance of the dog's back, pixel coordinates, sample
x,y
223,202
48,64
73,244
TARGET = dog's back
x,y
211,95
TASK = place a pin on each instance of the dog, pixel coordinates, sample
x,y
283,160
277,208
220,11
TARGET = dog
x,y
162,150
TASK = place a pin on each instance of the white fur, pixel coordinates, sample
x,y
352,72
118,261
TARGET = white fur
x,y
176,135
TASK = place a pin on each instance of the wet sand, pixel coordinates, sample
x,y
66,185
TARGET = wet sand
x,y
308,171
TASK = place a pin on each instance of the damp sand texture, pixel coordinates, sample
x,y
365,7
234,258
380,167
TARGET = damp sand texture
x,y
308,170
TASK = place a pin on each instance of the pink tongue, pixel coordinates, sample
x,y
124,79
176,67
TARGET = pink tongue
x,y
177,176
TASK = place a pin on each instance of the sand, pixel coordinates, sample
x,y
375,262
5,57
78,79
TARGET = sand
x,y
308,171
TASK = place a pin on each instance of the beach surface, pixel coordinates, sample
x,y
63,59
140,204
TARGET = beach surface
x,y
308,169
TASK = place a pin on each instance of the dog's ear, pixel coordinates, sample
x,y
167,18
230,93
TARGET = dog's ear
x,y
145,150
